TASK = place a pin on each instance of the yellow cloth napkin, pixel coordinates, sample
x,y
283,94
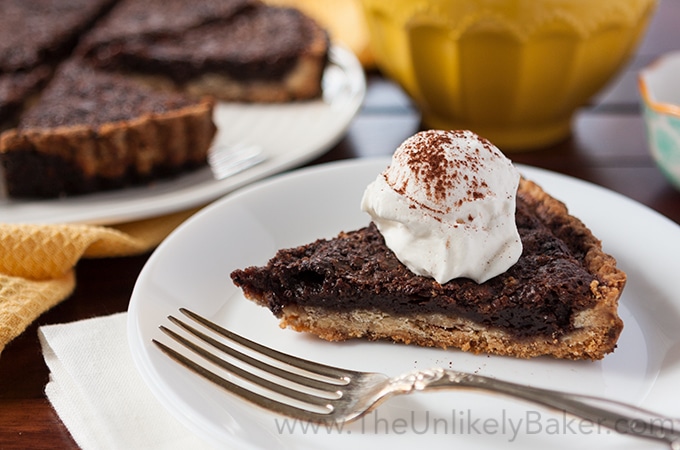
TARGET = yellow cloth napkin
x,y
37,261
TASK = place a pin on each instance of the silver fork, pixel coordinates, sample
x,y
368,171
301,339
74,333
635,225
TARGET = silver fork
x,y
314,392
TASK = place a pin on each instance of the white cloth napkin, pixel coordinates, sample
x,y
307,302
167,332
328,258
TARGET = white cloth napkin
x,y
98,394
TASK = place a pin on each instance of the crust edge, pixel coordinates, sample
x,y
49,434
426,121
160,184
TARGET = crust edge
x,y
178,138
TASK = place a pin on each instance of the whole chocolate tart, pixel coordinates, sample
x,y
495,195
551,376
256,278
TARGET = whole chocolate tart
x,y
92,131
130,103
559,299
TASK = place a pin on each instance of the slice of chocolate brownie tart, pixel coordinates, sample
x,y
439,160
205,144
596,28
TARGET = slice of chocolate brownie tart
x,y
235,50
559,299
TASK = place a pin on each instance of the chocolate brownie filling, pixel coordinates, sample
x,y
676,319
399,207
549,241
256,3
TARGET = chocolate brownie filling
x,y
34,36
144,19
539,295
33,32
79,95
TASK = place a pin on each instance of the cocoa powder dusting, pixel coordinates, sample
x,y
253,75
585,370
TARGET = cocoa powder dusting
x,y
426,158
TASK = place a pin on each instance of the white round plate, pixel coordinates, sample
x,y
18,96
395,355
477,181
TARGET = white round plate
x,y
290,134
191,269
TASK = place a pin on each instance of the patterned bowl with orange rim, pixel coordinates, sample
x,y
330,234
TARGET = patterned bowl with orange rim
x,y
659,85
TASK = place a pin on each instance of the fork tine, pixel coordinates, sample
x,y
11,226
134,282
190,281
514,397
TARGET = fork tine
x,y
321,369
252,378
315,392
260,400
329,386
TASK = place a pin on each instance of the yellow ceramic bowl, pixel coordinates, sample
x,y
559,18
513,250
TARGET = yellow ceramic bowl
x,y
513,71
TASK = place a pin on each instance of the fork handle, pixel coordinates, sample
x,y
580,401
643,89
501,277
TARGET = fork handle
x,y
614,415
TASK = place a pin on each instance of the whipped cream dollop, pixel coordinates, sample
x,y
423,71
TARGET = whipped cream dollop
x,y
446,206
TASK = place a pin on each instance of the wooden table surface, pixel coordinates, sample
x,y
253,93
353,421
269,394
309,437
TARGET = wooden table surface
x,y
608,147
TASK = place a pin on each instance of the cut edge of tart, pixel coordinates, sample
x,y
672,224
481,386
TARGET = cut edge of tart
x,y
590,332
